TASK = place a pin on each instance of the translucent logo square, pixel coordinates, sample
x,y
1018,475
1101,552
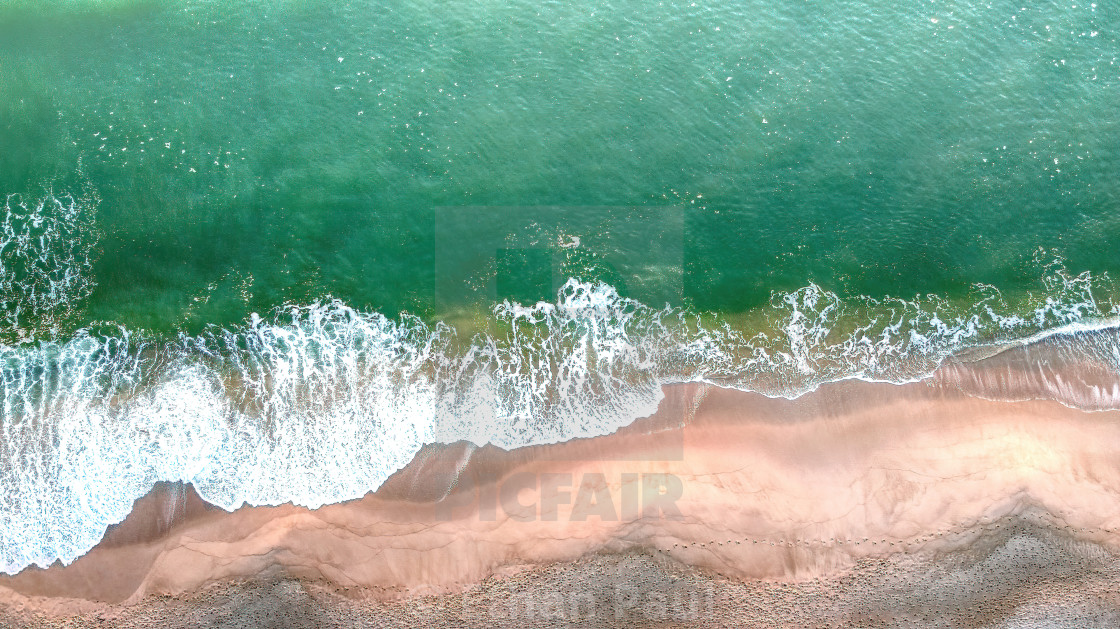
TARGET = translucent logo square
x,y
623,259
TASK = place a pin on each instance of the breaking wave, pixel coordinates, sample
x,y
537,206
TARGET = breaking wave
x,y
320,403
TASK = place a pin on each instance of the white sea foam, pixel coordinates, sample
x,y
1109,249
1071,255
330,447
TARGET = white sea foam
x,y
47,251
321,403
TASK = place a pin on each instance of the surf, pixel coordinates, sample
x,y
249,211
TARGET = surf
x,y
320,403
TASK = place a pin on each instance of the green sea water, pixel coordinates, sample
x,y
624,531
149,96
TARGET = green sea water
x,y
251,154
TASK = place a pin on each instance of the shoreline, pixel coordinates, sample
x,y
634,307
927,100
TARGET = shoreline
x,y
740,487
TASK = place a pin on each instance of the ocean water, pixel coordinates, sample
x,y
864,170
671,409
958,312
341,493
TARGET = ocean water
x,y
273,248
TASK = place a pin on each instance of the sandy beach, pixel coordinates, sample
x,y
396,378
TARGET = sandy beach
x,y
733,489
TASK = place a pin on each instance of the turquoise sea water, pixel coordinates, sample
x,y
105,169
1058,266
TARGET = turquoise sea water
x,y
509,222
